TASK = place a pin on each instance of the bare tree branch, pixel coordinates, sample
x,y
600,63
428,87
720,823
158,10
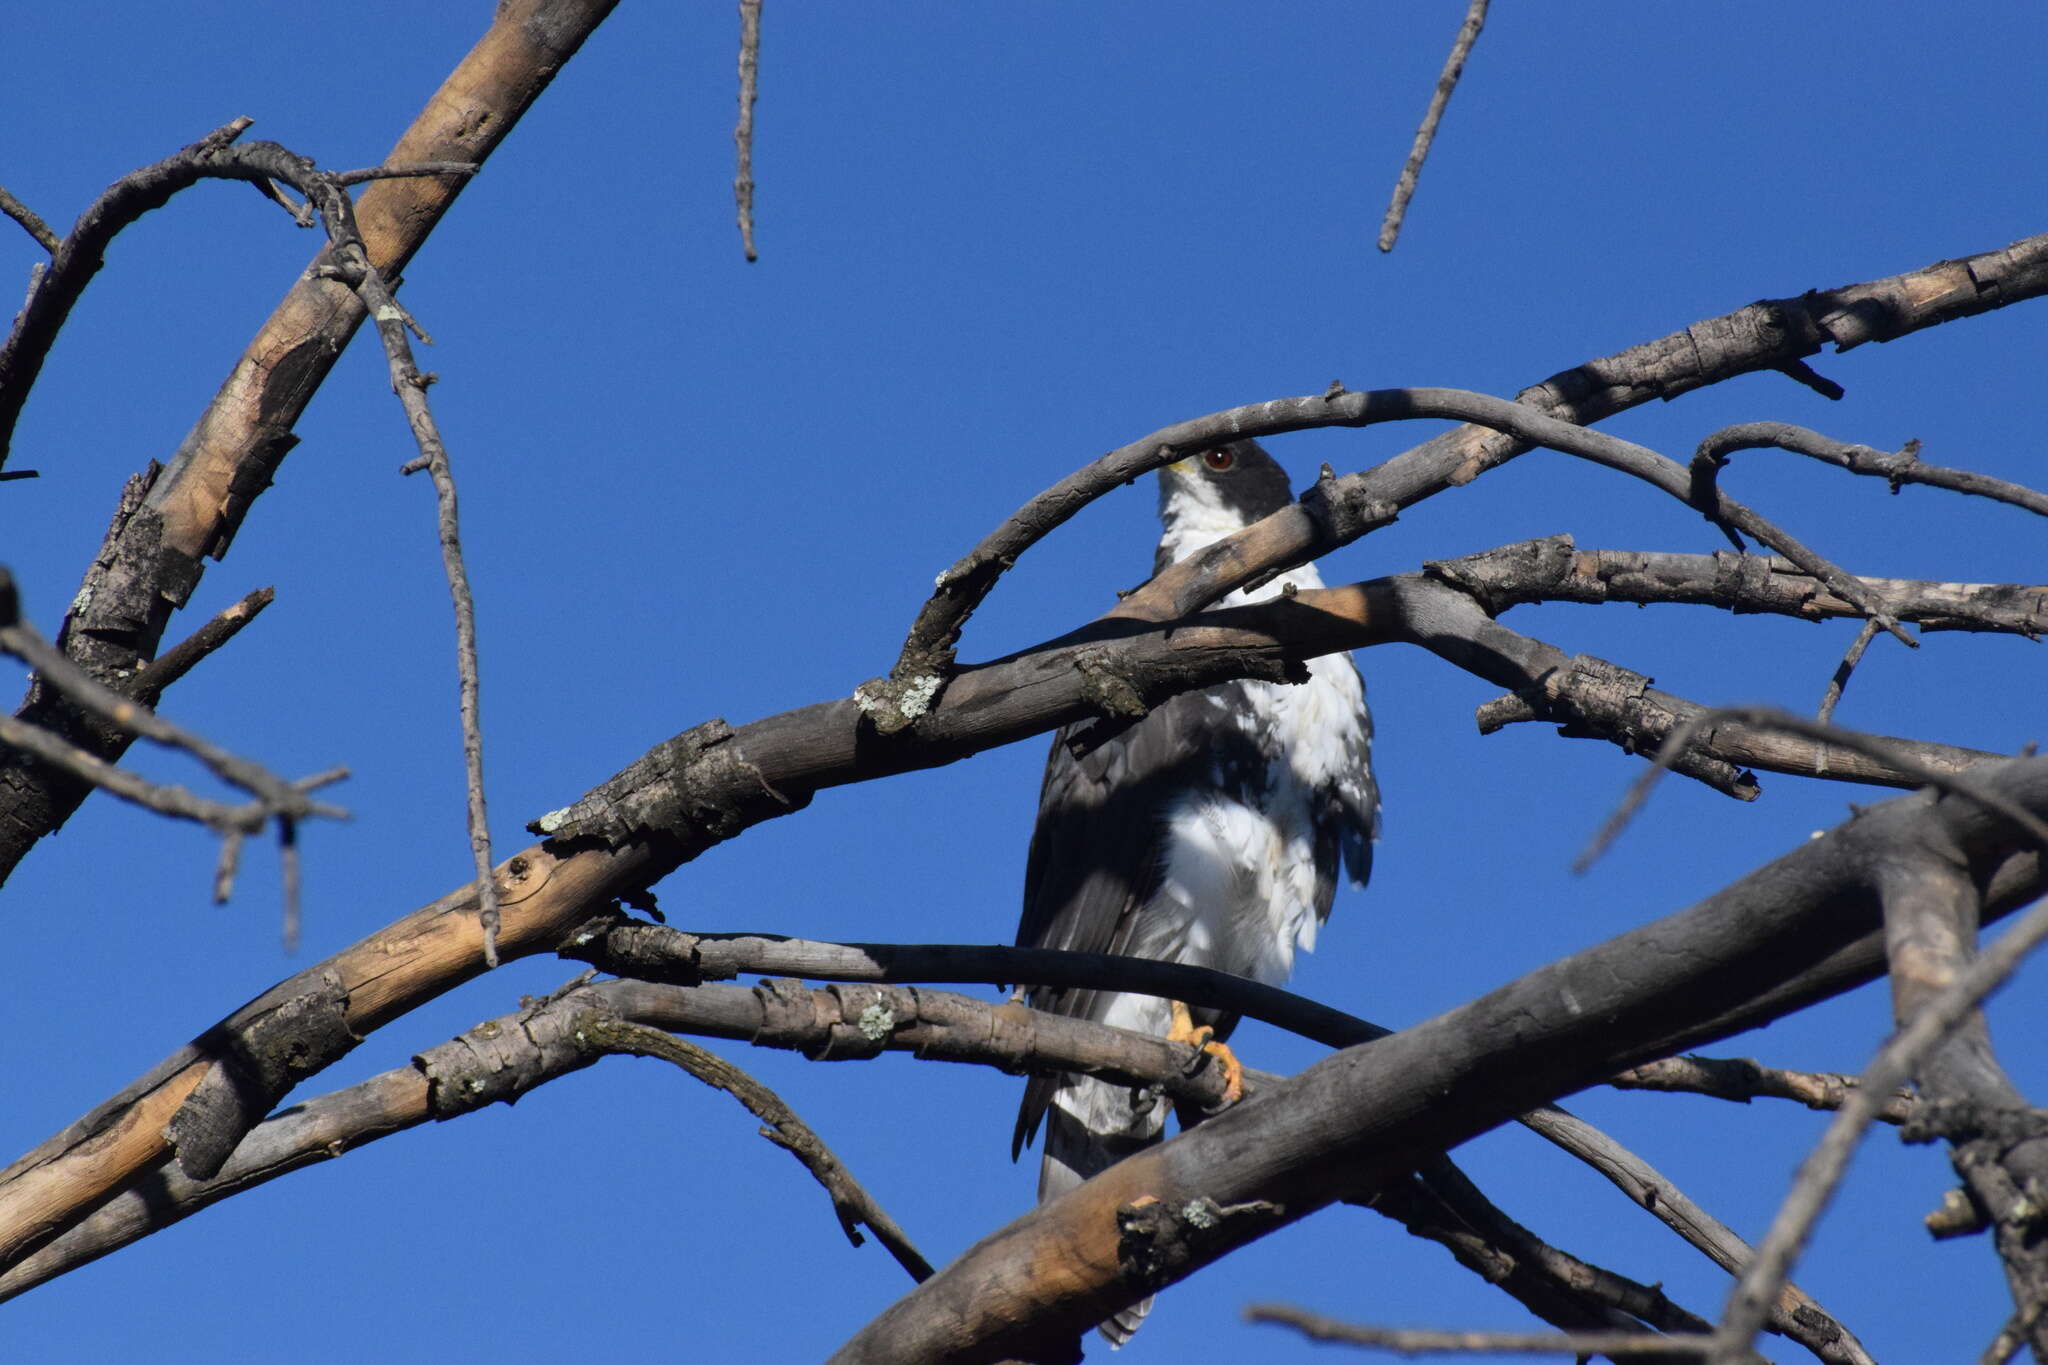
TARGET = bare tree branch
x,y
1742,1079
854,1205
1794,1316
1333,512
1898,469
79,257
1840,680
1439,1204
505,1058
273,794
174,663
30,221
1417,1341
1553,569
711,783
1768,335
172,518
1916,764
1899,1059
743,135
392,321
1446,83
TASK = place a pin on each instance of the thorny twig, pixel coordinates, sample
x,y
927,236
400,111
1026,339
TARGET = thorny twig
x,y
1446,82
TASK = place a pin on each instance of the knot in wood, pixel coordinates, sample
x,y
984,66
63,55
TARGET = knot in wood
x,y
1341,511
1106,685
1497,579
1155,1238
690,792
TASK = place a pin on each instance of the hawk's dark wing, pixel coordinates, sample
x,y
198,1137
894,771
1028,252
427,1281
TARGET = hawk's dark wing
x,y
1099,848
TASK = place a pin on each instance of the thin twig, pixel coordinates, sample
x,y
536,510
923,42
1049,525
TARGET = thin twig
x,y
410,386
1840,680
1446,82
853,1204
743,135
225,869
1897,468
404,171
174,663
173,801
1770,717
1894,1065
1417,1341
30,221
1742,1079
273,794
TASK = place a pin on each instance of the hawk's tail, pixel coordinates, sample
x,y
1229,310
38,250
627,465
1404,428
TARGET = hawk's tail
x,y
1074,1153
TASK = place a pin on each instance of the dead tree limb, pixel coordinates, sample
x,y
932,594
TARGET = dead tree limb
x,y
1898,468
1446,84
172,518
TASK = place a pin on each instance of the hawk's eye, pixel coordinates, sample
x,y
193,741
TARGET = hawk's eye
x,y
1218,460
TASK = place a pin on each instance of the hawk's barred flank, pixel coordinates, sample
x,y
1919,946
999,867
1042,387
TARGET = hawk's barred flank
x,y
1209,833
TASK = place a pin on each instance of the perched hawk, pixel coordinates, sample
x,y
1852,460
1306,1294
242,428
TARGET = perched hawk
x,y
1209,833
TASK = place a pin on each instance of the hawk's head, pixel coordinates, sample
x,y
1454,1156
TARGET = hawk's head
x,y
1211,495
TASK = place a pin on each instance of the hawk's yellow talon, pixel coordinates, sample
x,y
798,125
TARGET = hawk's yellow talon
x,y
1203,1037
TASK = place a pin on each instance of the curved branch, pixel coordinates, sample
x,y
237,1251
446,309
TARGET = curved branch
x,y
1774,334
75,260
1333,512
1896,468
854,1205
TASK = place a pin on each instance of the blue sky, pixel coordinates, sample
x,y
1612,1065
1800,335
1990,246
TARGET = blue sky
x,y
996,241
